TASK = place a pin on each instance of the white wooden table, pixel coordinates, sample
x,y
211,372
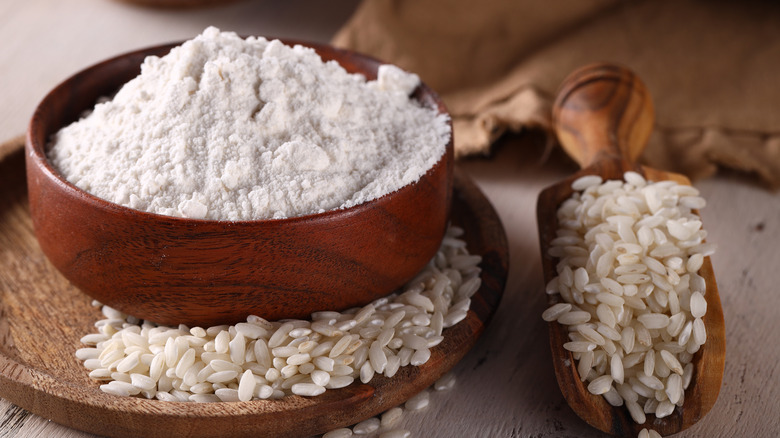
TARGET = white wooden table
x,y
505,386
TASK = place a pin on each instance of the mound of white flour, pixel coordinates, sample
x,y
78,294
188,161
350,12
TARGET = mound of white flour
x,y
231,129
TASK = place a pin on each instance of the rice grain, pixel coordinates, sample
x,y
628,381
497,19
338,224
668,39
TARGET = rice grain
x,y
551,314
343,432
419,401
366,427
600,385
396,433
574,317
307,389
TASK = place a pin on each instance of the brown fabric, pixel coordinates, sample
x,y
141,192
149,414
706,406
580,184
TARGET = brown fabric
x,y
712,67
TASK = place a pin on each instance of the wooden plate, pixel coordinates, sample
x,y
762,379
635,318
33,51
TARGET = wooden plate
x,y
42,318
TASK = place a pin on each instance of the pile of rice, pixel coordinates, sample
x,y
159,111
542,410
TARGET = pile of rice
x,y
260,359
629,254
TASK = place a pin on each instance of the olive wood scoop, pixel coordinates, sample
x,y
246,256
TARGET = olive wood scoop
x,y
603,116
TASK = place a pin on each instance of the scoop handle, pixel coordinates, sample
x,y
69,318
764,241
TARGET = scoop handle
x,y
603,111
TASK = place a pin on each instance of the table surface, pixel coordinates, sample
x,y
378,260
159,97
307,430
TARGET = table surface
x,y
505,385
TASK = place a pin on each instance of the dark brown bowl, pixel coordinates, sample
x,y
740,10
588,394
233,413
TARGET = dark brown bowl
x,y
201,272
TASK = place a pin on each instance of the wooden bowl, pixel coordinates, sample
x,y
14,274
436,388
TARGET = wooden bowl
x,y
201,272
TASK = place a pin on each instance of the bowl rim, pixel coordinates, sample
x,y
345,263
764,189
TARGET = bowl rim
x,y
36,147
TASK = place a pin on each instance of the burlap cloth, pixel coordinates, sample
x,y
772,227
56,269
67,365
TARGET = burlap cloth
x,y
713,68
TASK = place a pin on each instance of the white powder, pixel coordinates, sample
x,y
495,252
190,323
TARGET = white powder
x,y
231,129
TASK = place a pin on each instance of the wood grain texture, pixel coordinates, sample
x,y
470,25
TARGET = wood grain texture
x,y
42,318
603,117
603,111
175,270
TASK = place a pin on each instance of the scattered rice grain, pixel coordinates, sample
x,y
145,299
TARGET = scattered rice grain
x,y
419,401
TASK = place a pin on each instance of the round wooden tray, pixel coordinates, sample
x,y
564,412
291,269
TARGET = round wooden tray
x,y
42,318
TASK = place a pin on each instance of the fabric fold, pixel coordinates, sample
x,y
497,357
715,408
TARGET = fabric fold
x,y
710,67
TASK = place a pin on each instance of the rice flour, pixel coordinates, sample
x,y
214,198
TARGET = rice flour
x,y
224,128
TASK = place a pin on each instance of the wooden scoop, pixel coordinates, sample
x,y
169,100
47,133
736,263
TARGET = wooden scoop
x,y
603,116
